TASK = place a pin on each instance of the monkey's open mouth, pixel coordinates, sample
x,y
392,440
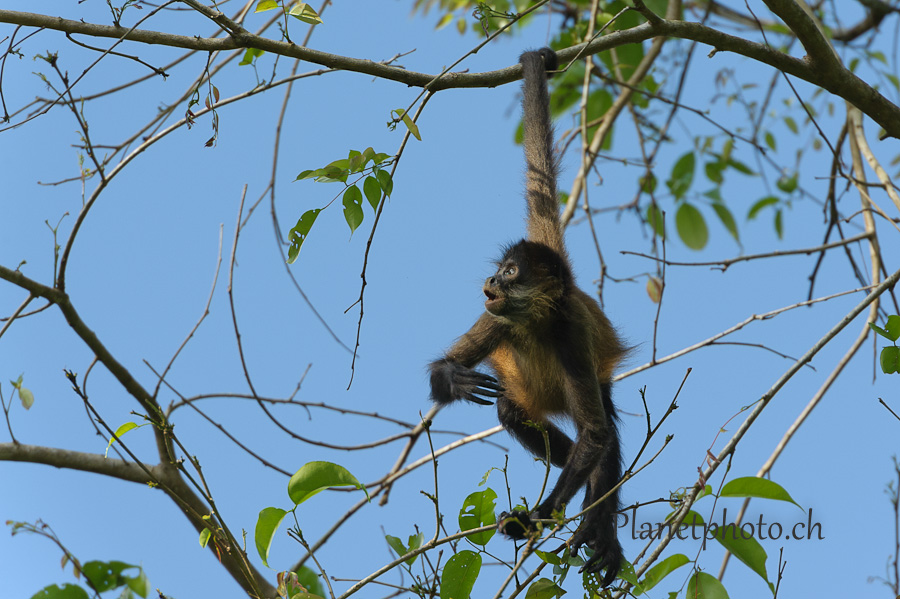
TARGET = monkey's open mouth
x,y
492,301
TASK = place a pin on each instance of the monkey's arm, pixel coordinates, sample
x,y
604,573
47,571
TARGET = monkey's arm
x,y
452,376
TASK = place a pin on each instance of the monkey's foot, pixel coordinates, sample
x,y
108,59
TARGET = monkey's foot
x,y
607,554
517,525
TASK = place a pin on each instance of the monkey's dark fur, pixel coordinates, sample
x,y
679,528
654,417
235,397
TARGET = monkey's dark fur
x,y
551,347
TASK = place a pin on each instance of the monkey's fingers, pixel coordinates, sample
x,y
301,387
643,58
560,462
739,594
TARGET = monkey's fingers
x,y
478,400
481,379
600,560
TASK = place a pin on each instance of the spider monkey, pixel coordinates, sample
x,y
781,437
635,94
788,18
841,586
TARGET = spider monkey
x,y
551,348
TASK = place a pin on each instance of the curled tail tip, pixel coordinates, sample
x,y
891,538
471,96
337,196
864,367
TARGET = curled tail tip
x,y
545,55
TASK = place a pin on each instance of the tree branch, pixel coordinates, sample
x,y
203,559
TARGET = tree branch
x,y
77,460
835,78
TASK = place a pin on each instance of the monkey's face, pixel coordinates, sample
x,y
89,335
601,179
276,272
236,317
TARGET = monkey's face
x,y
500,287
530,279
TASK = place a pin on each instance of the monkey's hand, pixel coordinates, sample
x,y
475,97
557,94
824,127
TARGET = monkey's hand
x,y
450,381
607,552
517,525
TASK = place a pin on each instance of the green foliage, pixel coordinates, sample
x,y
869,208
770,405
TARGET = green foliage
x,y
890,356
25,395
315,477
460,574
309,480
369,166
415,541
745,548
705,586
544,588
353,212
298,233
102,577
655,220
691,226
478,511
407,120
302,584
299,10
66,591
266,524
682,175
659,571
752,486
124,428
250,55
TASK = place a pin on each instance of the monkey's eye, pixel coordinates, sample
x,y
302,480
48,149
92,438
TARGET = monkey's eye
x,y
510,271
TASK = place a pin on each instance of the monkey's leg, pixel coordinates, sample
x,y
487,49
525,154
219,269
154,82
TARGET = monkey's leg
x,y
598,526
582,460
514,419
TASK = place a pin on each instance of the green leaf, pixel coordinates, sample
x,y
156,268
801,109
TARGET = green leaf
x,y
413,128
205,534
544,588
140,584
477,511
318,476
752,486
714,171
548,557
740,167
353,212
895,81
648,182
682,175
306,13
877,55
705,586
26,397
779,225
372,189
384,179
760,204
415,541
264,5
890,359
266,524
444,21
745,548
656,220
787,184
105,575
770,140
691,227
249,55
791,124
66,591
460,574
893,327
124,428
691,519
879,330
655,574
727,219
397,545
299,232
309,579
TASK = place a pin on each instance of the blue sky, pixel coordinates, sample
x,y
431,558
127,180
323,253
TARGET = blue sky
x,y
143,266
